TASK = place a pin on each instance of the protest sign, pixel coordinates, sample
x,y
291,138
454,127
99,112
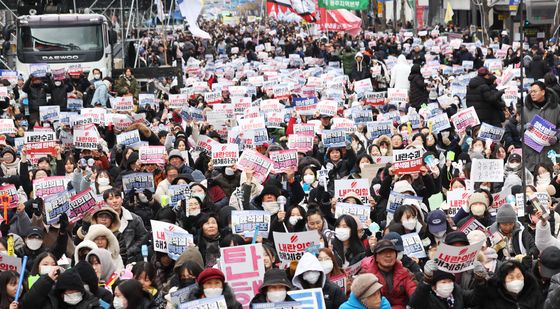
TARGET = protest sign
x,y
305,106
240,104
375,98
539,133
56,205
301,143
464,119
38,69
275,120
376,129
456,199
280,305
217,302
471,225
281,91
343,123
362,212
396,200
407,161
397,96
179,193
177,243
213,97
362,116
151,154
7,126
39,136
260,164
128,138
362,86
487,170
74,104
177,101
292,246
244,270
49,113
122,104
248,124
147,99
10,191
181,295
80,204
358,186
327,107
334,137
225,154
85,139
159,234
205,143
138,182
44,187
9,263
413,246
439,123
309,298
244,222
456,259
304,129
489,132
283,160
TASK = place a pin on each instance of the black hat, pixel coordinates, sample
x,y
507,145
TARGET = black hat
x,y
455,237
270,189
33,230
396,239
87,273
383,245
69,280
550,261
440,275
275,276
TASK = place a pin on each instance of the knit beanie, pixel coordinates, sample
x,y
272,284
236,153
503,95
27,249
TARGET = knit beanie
x,y
440,275
69,280
365,285
478,197
506,214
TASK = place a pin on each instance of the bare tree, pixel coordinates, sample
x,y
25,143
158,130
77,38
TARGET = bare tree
x,y
484,7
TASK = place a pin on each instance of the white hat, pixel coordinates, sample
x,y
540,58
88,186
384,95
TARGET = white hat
x,y
403,186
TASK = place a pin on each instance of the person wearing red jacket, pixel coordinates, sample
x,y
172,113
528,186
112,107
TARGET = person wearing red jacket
x,y
398,282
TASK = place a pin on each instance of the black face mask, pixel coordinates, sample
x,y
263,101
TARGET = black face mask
x,y
186,283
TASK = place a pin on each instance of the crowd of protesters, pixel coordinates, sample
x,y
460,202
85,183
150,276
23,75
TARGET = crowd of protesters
x,y
107,258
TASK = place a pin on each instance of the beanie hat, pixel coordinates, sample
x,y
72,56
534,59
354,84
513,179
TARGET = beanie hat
x,y
476,236
69,280
456,237
403,186
506,214
88,275
208,274
275,276
440,275
270,189
478,197
365,285
483,71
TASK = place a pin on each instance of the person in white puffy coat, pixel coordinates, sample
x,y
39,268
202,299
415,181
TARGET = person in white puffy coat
x,y
400,73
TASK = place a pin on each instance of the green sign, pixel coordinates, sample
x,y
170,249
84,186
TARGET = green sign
x,y
344,4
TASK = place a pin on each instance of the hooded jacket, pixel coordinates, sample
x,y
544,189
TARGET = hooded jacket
x,y
400,73
418,94
549,111
132,235
334,296
553,298
107,266
84,244
360,69
43,295
97,230
522,241
354,303
403,282
486,101
425,298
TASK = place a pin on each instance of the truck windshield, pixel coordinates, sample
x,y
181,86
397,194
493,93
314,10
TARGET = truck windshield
x,y
72,38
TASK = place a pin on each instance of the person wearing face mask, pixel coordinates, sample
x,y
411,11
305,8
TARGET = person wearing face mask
x,y
60,89
441,292
227,180
248,189
347,247
274,288
91,282
513,166
487,255
187,268
511,287
385,145
36,89
42,265
477,205
310,274
210,283
129,294
438,226
64,290
366,294
294,220
33,245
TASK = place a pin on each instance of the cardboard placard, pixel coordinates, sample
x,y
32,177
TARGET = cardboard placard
x,y
292,246
407,161
244,222
138,182
456,259
357,186
487,170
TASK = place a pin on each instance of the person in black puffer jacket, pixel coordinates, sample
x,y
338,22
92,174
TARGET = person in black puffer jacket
x,y
418,93
485,98
551,81
59,93
537,68
36,89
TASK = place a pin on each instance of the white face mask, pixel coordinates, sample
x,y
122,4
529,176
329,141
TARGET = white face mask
x,y
308,179
118,303
311,276
342,233
400,255
444,290
515,286
44,269
514,165
478,210
439,234
229,171
295,219
327,266
362,165
96,76
271,207
276,296
34,244
212,292
194,212
410,224
103,181
200,196
73,298
58,83
383,151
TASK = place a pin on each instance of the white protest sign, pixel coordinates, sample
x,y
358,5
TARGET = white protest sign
x,y
176,101
159,229
7,126
122,104
85,139
225,154
362,212
413,246
49,113
292,246
147,99
456,199
128,138
464,119
439,123
358,186
456,259
244,222
11,263
397,96
487,170
217,302
327,107
151,154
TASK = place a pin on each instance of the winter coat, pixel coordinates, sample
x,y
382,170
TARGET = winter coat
x,y
132,235
544,238
418,94
425,298
400,73
354,303
348,61
231,301
537,68
551,112
360,70
36,95
131,83
512,135
333,294
486,100
260,298
59,95
113,247
553,298
106,261
244,194
403,287
42,295
101,94
522,242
